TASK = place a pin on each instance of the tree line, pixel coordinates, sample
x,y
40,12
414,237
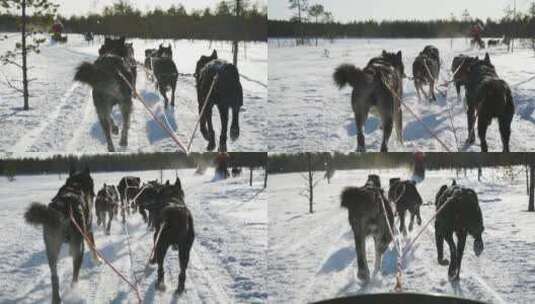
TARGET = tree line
x,y
286,163
121,18
123,162
306,24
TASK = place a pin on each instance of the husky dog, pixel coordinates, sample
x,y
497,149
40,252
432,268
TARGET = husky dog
x,y
75,196
379,85
459,67
176,222
461,216
405,196
128,189
107,202
109,88
148,201
149,54
367,218
88,36
226,94
165,72
488,97
425,70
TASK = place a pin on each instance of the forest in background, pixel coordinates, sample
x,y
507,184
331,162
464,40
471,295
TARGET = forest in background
x,y
276,163
122,18
285,163
305,23
123,162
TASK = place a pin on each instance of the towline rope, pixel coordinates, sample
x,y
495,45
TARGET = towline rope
x,y
101,256
171,134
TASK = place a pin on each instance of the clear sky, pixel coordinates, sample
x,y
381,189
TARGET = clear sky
x,y
351,10
82,7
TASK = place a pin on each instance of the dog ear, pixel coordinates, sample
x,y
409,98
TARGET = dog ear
x,y
214,54
167,183
399,55
122,39
72,170
107,40
453,182
177,183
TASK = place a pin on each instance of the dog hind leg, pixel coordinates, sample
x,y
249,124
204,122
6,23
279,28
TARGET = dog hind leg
x,y
53,240
126,109
223,114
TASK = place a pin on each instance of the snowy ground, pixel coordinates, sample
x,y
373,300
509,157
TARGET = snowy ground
x,y
227,257
312,257
63,119
314,115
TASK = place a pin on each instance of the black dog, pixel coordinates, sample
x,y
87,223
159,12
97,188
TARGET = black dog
x,y
405,196
109,88
165,72
461,216
128,189
148,201
488,97
176,224
459,68
425,70
75,196
226,94
107,202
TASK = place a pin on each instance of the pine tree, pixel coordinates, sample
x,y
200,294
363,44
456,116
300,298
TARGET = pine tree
x,y
40,9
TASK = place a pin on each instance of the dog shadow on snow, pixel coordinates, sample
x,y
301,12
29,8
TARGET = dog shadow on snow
x,y
154,130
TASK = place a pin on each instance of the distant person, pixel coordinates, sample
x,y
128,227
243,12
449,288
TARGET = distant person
x,y
475,33
418,174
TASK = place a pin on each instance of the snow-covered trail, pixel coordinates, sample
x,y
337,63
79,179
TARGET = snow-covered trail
x,y
227,257
312,256
315,116
63,119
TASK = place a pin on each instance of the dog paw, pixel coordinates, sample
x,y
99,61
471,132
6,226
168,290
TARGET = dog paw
x,y
234,133
211,146
179,290
160,286
115,130
444,262
364,275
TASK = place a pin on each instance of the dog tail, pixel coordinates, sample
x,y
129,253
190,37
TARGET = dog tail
x,y
87,73
39,214
347,74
